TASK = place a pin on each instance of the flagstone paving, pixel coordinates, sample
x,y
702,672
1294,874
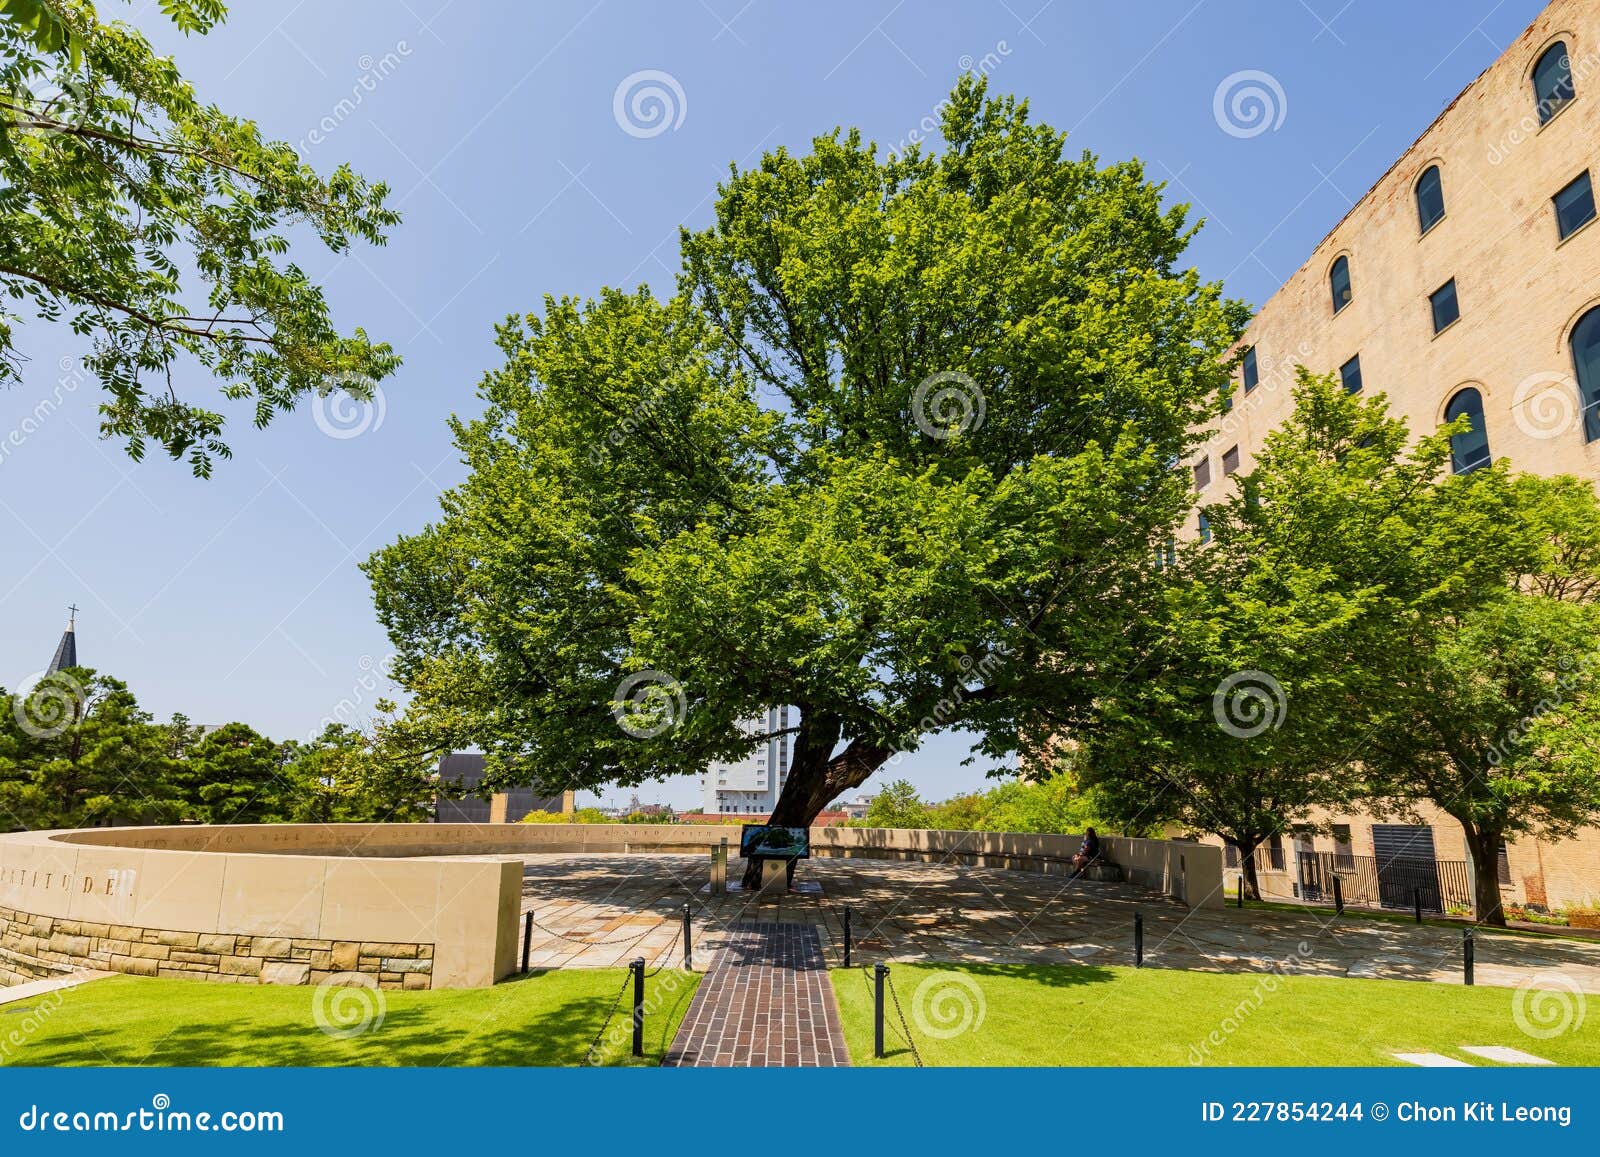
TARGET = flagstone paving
x,y
35,988
600,911
1505,1055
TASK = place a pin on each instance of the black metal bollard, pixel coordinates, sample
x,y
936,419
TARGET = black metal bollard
x,y
688,948
527,939
1467,949
638,1005
879,978
1138,939
1338,897
1241,889
847,938
1416,902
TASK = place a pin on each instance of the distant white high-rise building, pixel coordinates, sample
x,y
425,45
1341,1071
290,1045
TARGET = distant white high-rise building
x,y
751,785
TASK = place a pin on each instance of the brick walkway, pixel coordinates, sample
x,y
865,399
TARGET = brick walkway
x,y
765,1001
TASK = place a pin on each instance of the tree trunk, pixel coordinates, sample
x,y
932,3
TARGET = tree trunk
x,y
1483,845
1247,867
817,776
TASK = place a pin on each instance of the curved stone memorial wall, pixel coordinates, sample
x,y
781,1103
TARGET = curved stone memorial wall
x,y
397,905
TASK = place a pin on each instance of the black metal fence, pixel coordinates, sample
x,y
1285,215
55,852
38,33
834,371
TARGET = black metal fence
x,y
1387,883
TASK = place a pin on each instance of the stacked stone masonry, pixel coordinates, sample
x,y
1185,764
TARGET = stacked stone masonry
x,y
35,947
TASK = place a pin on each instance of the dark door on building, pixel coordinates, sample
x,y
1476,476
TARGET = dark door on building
x,y
1407,866
1310,868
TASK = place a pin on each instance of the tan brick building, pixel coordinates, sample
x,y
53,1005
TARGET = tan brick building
x,y
1467,280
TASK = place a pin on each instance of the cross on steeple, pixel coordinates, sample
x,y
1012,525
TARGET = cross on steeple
x,y
72,613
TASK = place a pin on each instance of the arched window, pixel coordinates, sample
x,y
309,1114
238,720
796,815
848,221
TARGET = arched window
x,y
1430,198
1552,81
1586,360
1468,451
1339,282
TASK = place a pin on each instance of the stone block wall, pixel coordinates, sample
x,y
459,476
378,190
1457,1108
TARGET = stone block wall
x,y
33,947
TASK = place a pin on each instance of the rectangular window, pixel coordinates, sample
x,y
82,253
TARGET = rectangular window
x,y
1574,206
1202,474
1350,375
1275,853
1503,866
1252,375
1230,461
1231,855
1205,528
1446,309
1343,856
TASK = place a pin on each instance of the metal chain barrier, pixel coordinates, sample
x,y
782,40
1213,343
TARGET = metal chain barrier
x,y
630,941
915,1055
588,1057
666,956
904,1031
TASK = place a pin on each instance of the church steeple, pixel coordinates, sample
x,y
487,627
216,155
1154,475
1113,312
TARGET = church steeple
x,y
67,649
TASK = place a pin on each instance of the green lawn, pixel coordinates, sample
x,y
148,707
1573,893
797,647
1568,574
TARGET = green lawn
x,y
546,1018
1037,1015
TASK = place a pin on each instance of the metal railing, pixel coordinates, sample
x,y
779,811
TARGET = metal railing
x,y
1368,881
1266,858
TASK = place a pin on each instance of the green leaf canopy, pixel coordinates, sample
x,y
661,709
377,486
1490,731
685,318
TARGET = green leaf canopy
x,y
898,452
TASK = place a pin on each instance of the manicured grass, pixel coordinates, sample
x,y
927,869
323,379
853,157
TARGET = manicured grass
x,y
1084,1015
546,1018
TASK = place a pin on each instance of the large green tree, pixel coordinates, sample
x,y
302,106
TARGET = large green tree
x,y
233,775
77,750
345,775
1491,711
157,225
897,453
1366,627
1238,719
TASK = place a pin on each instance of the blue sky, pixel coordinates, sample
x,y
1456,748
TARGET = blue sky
x,y
240,597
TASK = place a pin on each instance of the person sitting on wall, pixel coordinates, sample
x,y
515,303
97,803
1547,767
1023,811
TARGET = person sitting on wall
x,y
1088,852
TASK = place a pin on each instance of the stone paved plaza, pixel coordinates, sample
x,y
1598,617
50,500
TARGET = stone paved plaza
x,y
600,911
